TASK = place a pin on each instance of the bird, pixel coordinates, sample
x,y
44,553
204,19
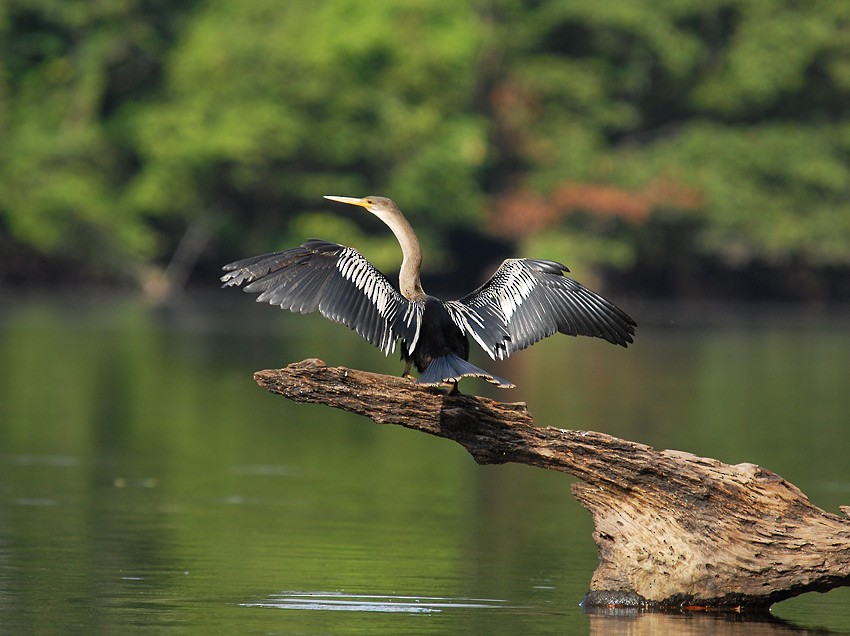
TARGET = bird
x,y
524,301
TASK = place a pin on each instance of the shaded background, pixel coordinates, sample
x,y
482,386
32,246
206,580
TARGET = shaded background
x,y
691,159
676,149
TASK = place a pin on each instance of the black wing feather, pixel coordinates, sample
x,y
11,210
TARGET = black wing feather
x,y
527,300
336,280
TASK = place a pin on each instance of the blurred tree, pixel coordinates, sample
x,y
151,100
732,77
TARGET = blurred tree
x,y
267,108
591,132
67,66
725,121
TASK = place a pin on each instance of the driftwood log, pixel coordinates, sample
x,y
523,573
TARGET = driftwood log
x,y
673,530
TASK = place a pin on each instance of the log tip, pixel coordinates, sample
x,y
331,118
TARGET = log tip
x,y
263,377
310,364
845,510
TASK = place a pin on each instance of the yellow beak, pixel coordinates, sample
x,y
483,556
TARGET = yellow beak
x,y
350,200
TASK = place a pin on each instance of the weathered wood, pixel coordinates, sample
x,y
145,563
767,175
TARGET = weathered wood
x,y
673,529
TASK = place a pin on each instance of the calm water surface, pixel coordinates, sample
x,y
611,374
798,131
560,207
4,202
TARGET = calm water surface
x,y
147,484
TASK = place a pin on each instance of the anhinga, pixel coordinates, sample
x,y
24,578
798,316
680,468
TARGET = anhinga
x,y
524,301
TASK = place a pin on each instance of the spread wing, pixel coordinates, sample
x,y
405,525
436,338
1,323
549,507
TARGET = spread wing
x,y
527,300
337,281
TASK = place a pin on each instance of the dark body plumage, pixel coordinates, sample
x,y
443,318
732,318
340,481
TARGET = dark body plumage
x,y
524,301
444,337
444,349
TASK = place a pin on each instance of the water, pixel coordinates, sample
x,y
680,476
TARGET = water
x,y
147,484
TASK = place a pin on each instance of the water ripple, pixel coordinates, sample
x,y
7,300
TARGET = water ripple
x,y
340,602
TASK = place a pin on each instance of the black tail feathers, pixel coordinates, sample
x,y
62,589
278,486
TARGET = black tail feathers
x,y
451,368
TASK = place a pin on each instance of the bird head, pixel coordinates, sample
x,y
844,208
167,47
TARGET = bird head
x,y
382,207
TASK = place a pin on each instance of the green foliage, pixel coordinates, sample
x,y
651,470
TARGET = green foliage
x,y
66,65
773,192
740,101
285,102
123,122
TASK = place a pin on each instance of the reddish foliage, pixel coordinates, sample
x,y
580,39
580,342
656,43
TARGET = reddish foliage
x,y
523,212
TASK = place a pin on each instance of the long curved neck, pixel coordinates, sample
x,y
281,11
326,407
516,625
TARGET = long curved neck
x,y
411,264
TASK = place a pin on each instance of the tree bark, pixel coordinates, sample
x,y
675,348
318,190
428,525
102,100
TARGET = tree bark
x,y
672,529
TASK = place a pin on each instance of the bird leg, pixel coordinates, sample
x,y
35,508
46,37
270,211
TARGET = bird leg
x,y
406,373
